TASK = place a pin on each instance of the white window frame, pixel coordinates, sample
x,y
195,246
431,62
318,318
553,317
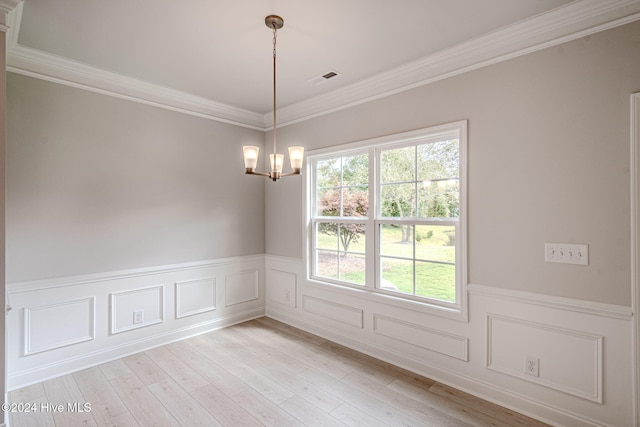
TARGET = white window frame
x,y
455,130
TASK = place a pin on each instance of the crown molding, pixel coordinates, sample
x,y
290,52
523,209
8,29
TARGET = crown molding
x,y
14,19
575,20
6,6
46,66
569,22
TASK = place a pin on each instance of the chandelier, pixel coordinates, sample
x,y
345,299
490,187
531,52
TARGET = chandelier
x,y
250,151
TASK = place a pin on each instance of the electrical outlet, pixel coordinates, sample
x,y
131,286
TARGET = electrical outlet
x,y
287,296
138,316
566,253
532,366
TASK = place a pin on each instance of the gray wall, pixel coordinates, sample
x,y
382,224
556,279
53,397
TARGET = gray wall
x,y
548,162
98,184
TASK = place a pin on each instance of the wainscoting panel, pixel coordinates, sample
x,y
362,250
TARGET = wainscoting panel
x,y
58,325
569,361
242,287
430,339
124,305
351,316
585,375
283,287
195,296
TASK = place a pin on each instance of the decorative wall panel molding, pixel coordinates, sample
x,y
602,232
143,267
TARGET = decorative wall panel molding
x,y
58,325
71,323
283,287
577,385
420,336
568,361
195,296
124,305
351,316
241,287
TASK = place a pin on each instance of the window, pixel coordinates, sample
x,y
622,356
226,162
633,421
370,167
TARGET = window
x,y
342,210
387,215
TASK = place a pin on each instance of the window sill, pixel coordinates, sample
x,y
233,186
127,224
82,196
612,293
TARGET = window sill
x,y
457,312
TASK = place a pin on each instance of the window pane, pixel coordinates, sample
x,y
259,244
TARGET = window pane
x,y
327,264
396,240
398,165
352,268
436,243
355,170
396,275
439,171
398,200
436,281
352,238
327,236
328,173
328,202
439,199
438,160
355,201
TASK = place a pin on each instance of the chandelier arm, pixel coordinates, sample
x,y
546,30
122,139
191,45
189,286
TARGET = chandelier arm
x,y
251,172
295,172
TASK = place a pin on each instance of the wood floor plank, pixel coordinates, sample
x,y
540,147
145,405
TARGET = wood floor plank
x,y
377,370
33,397
309,414
268,351
415,390
146,369
177,369
503,414
312,393
181,405
258,381
114,369
309,353
228,412
355,417
313,339
362,401
428,414
142,404
122,420
208,369
62,392
97,390
28,394
265,411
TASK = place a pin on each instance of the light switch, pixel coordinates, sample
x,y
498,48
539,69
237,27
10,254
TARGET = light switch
x,y
566,253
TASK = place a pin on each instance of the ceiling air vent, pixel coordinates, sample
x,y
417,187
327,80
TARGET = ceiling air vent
x,y
323,78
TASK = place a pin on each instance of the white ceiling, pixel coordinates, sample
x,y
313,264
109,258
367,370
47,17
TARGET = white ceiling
x,y
217,54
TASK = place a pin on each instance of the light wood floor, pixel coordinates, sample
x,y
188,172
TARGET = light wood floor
x,y
257,373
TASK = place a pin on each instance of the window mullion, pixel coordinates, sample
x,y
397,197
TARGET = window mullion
x,y
413,236
371,249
